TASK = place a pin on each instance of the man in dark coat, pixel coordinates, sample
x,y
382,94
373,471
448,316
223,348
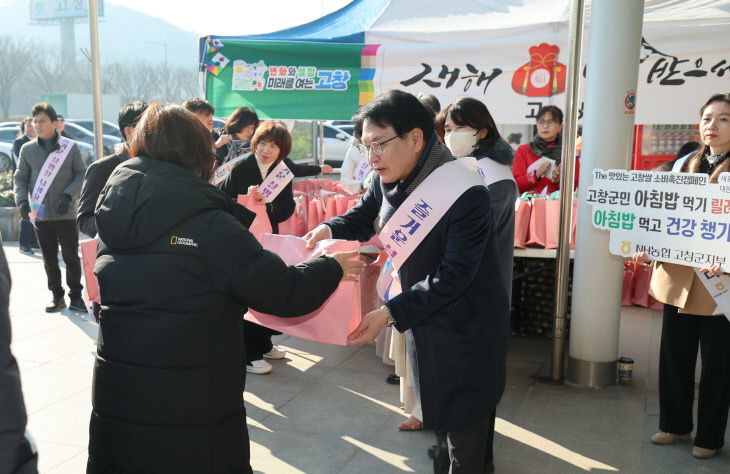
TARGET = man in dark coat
x,y
17,452
454,305
98,172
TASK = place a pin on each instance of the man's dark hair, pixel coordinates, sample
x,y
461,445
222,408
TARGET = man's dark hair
x,y
198,105
241,118
400,110
129,115
44,108
431,102
171,133
60,117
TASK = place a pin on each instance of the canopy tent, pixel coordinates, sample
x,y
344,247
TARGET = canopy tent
x,y
509,53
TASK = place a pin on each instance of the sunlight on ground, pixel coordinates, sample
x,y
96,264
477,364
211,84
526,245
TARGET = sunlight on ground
x,y
251,422
505,428
390,407
273,464
254,400
393,459
300,360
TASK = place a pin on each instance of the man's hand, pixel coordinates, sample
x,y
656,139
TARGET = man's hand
x,y
326,169
62,204
24,208
320,232
369,328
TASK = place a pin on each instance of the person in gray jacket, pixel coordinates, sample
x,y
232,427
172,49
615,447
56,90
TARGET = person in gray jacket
x,y
55,165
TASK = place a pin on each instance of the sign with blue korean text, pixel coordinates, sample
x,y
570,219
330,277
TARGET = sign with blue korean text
x,y
674,217
276,181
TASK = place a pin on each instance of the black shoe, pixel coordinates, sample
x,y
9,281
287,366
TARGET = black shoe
x,y
77,304
393,379
431,451
56,305
26,250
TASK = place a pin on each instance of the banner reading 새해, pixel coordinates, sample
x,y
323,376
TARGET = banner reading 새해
x,y
673,217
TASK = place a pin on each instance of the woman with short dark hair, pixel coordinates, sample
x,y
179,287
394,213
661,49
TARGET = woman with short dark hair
x,y
177,268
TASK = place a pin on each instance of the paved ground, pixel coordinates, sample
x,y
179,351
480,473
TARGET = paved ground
x,y
327,409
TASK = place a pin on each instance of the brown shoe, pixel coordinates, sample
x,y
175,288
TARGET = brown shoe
x,y
660,437
411,424
703,453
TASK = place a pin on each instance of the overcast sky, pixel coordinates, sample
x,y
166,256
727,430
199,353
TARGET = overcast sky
x,y
234,17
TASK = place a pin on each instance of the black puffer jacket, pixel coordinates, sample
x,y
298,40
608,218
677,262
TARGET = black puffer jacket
x,y
176,271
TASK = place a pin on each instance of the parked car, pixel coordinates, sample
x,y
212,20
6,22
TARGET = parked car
x,y
336,144
80,134
219,123
108,128
9,134
9,124
6,156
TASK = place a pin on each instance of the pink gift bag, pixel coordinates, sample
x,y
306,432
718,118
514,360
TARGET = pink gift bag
x,y
88,256
536,235
552,223
330,208
337,317
341,204
522,222
261,224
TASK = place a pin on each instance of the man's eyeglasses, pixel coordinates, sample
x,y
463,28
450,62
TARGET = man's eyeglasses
x,y
549,123
375,147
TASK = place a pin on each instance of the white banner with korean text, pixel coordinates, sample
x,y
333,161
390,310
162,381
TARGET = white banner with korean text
x,y
276,181
515,72
673,217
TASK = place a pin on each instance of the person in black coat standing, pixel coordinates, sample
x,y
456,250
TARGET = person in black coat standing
x,y
177,269
98,172
458,331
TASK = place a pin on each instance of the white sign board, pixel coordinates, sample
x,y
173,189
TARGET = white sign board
x,y
673,217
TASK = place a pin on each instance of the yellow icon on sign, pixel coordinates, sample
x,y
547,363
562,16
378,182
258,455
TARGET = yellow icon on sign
x,y
719,285
173,240
625,247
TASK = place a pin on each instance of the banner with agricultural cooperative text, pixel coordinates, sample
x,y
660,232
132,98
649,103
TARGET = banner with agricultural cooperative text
x,y
673,217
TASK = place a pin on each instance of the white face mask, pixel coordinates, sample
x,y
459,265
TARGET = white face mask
x,y
461,143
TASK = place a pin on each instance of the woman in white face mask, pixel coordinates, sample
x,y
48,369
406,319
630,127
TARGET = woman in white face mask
x,y
468,129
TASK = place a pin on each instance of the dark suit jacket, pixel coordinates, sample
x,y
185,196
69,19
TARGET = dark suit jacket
x,y
245,174
96,177
455,302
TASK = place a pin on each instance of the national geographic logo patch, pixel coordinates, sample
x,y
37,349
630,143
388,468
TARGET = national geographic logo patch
x,y
175,240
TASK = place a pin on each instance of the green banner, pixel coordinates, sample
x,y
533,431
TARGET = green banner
x,y
284,80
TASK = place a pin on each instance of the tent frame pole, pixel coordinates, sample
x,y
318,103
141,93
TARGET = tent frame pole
x,y
567,178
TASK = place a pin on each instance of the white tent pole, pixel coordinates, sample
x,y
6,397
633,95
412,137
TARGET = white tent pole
x,y
96,79
612,76
567,178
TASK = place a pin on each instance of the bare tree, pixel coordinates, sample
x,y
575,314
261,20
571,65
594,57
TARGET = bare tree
x,y
13,58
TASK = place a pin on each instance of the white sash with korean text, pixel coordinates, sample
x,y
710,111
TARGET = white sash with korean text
x,y
719,289
363,168
48,173
492,171
425,207
276,181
